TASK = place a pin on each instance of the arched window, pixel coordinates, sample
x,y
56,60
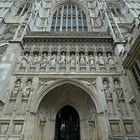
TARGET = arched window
x,y
69,18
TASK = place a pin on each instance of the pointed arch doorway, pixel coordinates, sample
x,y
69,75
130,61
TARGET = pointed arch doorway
x,y
67,126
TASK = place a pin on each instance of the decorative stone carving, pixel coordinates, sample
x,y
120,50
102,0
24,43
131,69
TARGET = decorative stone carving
x,y
16,89
17,128
90,83
43,83
129,128
115,128
28,89
4,128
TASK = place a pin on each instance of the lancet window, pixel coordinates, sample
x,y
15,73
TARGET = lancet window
x,y
69,18
22,10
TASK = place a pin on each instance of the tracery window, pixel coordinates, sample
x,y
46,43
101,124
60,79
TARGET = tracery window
x,y
69,18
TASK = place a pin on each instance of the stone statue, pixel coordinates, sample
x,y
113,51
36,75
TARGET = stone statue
x,y
107,89
118,89
63,59
25,60
72,60
110,60
34,61
53,60
82,59
44,60
100,60
16,89
27,90
91,60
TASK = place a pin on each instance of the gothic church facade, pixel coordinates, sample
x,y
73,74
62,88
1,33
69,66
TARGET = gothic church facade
x,y
69,70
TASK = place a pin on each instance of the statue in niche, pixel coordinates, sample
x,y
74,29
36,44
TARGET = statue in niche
x,y
63,59
28,89
25,60
16,89
82,59
34,61
91,60
107,89
20,31
53,60
44,61
72,60
100,60
110,59
118,89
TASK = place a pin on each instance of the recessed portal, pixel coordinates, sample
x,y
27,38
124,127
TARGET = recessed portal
x,y
67,124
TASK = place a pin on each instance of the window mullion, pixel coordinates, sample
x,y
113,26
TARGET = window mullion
x,y
23,9
67,19
77,26
82,20
62,17
56,20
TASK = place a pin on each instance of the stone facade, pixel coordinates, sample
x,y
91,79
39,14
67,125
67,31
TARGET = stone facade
x,y
83,55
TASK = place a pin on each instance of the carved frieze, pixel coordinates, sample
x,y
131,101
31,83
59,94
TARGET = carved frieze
x,y
66,57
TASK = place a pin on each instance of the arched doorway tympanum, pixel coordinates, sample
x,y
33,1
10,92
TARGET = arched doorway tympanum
x,y
67,124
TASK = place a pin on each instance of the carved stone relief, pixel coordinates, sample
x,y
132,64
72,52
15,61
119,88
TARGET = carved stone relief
x,y
71,58
115,128
4,128
17,129
8,33
129,128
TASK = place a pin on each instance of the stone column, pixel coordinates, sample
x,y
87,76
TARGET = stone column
x,y
29,126
102,127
